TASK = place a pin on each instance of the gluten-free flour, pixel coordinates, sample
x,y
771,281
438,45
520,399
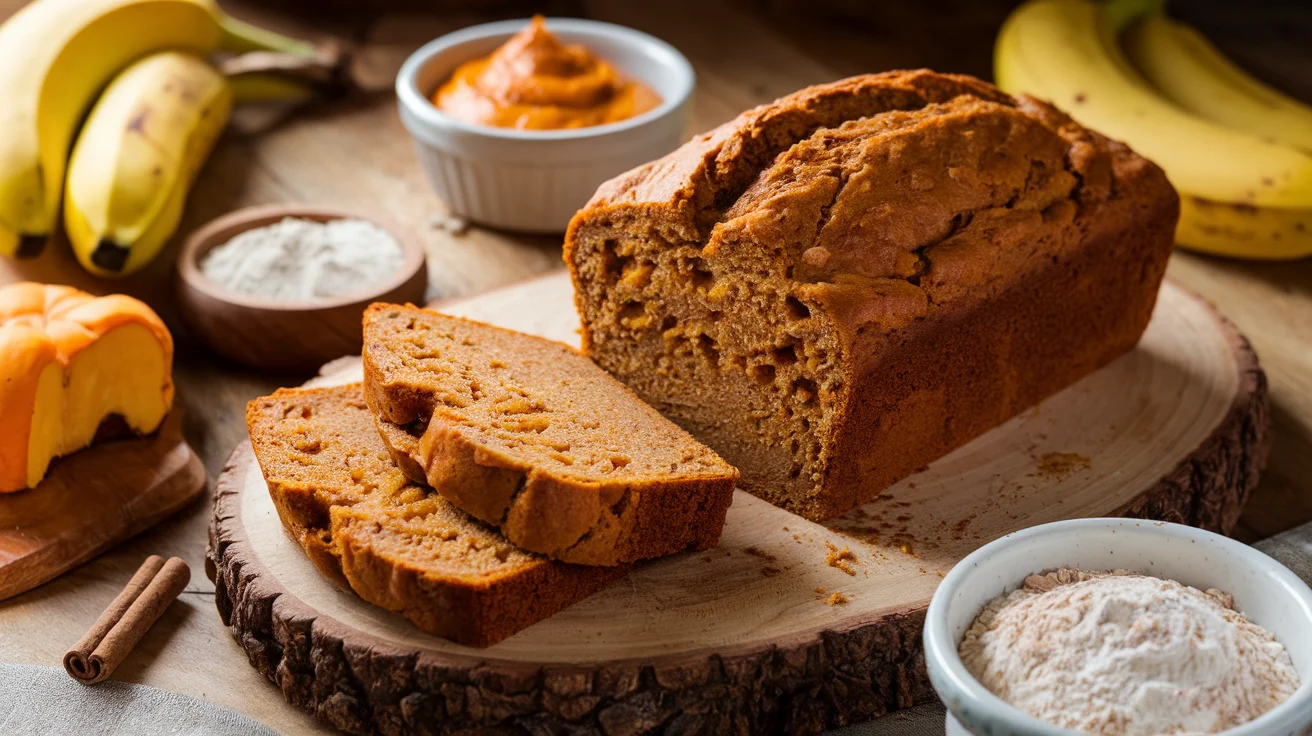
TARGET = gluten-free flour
x,y
297,260
1119,653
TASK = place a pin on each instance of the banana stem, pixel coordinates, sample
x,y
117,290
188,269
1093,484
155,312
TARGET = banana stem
x,y
258,87
241,37
1121,13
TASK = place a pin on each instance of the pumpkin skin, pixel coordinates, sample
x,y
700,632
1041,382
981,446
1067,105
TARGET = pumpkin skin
x,y
69,361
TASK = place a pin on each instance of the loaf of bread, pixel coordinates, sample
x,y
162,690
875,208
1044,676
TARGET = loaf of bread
x,y
834,289
397,544
530,436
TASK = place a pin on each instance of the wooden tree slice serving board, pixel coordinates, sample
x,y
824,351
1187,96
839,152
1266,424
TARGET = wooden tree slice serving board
x,y
92,500
741,637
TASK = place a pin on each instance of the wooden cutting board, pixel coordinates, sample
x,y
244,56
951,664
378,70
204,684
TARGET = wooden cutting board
x,y
91,501
748,635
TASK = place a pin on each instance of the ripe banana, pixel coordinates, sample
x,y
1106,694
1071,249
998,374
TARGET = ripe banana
x,y
137,156
1189,71
1065,51
55,56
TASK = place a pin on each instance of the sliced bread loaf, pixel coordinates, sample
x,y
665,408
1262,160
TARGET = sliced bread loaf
x,y
529,435
839,287
395,543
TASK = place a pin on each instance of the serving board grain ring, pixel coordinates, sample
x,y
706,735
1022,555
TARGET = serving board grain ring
x,y
742,636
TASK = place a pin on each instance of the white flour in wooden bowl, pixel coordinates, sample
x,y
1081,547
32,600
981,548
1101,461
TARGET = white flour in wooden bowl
x,y
298,260
1119,653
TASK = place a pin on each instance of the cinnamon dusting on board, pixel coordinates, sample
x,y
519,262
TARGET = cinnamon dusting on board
x,y
1059,465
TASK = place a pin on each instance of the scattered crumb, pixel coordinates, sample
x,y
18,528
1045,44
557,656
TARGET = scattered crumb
x,y
820,591
706,558
959,528
907,549
448,223
841,559
785,528
797,539
1059,465
836,599
755,551
923,571
770,571
938,573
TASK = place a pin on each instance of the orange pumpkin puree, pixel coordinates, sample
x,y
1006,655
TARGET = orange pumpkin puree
x,y
535,82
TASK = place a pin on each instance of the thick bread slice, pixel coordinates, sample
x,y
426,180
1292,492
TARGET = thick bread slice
x,y
530,436
395,543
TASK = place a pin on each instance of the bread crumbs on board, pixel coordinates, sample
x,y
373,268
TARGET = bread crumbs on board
x,y
841,559
1058,465
836,599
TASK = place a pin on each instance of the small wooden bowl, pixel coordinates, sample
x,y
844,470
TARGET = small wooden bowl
x,y
274,335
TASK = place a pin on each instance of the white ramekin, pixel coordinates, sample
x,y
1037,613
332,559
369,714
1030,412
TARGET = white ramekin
x,y
1263,589
534,181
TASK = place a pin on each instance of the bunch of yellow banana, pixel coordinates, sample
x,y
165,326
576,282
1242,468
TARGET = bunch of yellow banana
x,y
1239,152
136,157
141,146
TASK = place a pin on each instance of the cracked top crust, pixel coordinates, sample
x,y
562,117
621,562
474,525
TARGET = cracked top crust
x,y
886,194
531,436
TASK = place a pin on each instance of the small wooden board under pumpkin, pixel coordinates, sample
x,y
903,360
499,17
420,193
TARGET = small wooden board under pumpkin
x,y
775,629
93,499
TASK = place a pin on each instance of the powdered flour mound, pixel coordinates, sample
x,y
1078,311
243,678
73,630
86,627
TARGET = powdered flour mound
x,y
1124,654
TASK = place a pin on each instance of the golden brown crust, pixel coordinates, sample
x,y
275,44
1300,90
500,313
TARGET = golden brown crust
x,y
841,286
396,544
528,435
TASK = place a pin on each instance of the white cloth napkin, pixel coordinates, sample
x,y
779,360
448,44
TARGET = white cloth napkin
x,y
45,701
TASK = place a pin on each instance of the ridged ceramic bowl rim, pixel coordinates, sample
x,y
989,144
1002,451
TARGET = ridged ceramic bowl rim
x,y
415,101
962,687
205,238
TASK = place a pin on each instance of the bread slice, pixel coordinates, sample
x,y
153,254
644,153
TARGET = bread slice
x,y
839,287
528,435
395,543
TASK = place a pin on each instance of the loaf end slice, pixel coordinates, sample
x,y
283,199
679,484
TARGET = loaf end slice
x,y
395,543
530,436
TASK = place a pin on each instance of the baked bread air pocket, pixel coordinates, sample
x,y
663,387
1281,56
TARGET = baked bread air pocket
x,y
398,545
530,436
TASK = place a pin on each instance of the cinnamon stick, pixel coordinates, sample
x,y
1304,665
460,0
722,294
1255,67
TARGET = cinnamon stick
x,y
109,641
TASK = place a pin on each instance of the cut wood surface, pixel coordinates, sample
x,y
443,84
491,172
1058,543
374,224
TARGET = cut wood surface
x,y
1175,430
92,500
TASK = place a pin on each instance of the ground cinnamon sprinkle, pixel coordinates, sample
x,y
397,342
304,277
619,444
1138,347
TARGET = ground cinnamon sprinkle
x,y
1058,465
841,559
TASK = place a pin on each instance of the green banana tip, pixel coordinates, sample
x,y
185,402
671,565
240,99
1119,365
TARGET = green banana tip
x,y
240,36
1122,13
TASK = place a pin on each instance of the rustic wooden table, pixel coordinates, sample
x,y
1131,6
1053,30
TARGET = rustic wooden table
x,y
353,152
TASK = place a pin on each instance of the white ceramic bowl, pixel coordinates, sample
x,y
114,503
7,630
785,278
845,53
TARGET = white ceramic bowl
x,y
1263,589
535,180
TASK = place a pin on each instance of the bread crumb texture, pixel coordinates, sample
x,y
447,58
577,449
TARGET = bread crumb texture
x,y
841,559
